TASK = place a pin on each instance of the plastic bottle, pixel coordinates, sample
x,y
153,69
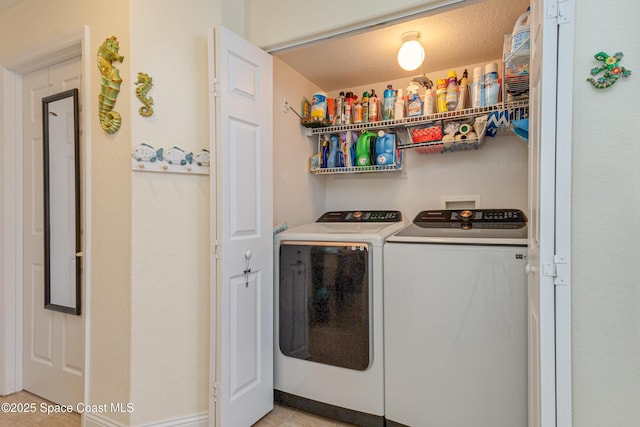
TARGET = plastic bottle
x,y
398,108
429,102
414,103
324,152
357,112
441,95
463,94
363,149
332,157
339,109
389,101
348,108
365,107
373,106
319,107
452,90
477,88
520,40
491,84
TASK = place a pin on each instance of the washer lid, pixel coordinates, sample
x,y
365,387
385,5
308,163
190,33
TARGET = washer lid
x,y
458,235
473,226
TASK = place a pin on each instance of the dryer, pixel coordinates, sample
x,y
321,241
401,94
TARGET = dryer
x,y
455,301
328,315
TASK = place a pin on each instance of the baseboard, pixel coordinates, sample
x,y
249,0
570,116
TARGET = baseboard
x,y
197,420
330,411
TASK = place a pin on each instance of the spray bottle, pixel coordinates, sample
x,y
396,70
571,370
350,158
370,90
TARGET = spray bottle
x,y
389,100
414,103
365,107
373,106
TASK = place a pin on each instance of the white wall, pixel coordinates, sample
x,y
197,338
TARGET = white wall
x,y
298,195
170,214
605,229
495,174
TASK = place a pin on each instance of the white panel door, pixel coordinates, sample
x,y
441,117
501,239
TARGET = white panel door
x,y
542,162
53,342
242,224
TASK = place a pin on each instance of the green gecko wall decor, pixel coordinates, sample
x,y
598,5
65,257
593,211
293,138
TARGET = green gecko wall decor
x,y
612,70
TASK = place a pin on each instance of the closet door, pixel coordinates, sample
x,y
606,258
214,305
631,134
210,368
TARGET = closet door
x,y
241,231
548,269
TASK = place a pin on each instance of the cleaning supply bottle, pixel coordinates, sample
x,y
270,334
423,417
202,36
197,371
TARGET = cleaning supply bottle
x,y
491,84
365,107
441,95
429,102
477,88
340,109
520,40
384,148
452,90
398,108
332,157
463,94
324,152
319,107
357,112
363,149
348,109
389,101
414,103
373,106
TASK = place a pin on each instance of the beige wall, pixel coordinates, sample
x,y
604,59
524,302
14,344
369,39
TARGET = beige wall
x,y
605,229
170,215
32,23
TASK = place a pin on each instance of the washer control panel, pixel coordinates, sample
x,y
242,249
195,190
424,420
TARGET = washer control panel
x,y
361,216
481,218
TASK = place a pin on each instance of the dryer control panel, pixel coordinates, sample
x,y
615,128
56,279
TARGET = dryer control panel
x,y
361,216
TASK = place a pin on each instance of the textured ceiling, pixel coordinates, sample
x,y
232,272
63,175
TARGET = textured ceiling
x,y
451,39
5,4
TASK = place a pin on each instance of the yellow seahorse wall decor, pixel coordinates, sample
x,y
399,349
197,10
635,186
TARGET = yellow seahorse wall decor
x,y
144,84
110,84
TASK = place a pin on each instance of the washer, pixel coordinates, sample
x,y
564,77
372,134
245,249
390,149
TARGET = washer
x,y
328,315
455,301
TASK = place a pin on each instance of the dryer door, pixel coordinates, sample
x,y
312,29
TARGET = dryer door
x,y
324,305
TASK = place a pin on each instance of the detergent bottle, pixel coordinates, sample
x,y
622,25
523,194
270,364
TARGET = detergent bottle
x,y
363,149
384,148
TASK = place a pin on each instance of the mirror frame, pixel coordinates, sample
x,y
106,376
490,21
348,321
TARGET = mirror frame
x,y
47,146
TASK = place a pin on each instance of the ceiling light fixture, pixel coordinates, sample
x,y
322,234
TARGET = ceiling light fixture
x,y
411,53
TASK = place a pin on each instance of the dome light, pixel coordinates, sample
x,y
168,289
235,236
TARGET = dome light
x,y
411,53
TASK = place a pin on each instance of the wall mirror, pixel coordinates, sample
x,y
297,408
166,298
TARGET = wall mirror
x,y
62,238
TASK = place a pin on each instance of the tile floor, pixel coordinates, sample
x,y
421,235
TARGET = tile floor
x,y
281,416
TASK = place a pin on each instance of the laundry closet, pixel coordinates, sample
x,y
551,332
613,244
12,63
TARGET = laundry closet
x,y
493,175
475,162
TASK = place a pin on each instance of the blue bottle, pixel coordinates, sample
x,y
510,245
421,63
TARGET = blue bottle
x,y
384,149
389,103
333,152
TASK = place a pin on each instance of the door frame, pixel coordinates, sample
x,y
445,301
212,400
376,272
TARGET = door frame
x,y
561,179
71,45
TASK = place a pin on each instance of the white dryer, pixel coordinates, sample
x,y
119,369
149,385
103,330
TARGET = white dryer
x,y
328,315
455,302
